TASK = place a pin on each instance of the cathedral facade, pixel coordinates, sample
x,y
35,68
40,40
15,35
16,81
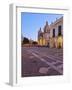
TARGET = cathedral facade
x,y
44,37
52,35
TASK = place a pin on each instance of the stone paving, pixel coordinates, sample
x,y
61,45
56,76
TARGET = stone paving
x,y
41,61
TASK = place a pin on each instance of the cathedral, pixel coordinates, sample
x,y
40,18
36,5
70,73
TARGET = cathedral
x,y
52,35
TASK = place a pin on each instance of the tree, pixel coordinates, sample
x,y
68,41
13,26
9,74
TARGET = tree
x,y
25,40
34,42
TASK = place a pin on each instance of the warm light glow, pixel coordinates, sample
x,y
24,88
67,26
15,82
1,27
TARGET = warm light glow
x,y
60,41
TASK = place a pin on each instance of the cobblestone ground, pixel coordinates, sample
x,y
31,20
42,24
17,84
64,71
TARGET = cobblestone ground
x,y
41,61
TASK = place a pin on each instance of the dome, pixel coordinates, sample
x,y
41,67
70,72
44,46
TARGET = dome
x,y
46,28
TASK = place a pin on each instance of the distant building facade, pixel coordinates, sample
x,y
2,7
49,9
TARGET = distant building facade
x,y
41,39
52,34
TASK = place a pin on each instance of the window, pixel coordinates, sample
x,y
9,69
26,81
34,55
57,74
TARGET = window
x,y
53,32
59,30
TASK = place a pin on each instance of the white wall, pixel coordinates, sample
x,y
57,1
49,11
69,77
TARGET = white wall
x,y
4,43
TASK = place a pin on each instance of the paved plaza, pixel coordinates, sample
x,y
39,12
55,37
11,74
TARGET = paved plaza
x,y
41,61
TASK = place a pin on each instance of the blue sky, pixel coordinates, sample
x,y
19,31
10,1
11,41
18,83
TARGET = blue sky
x,y
31,22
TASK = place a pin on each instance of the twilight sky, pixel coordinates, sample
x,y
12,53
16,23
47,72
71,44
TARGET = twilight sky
x,y
31,22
